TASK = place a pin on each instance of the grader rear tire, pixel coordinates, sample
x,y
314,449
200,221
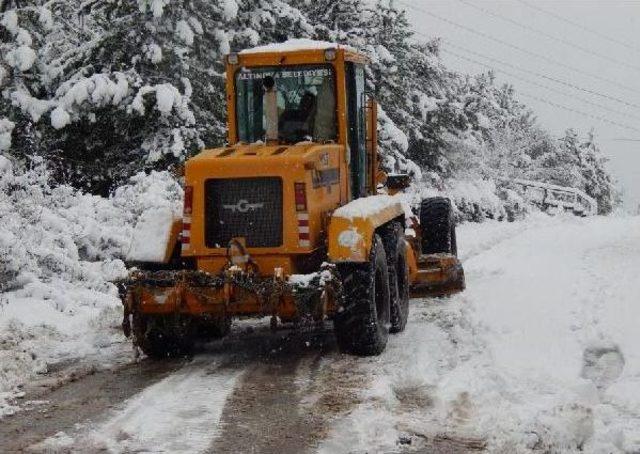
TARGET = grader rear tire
x,y
395,246
362,326
163,337
438,226
214,328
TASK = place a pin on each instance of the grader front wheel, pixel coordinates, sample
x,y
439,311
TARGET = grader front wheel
x,y
396,249
362,324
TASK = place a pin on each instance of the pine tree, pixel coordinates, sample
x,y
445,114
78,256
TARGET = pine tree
x,y
105,89
119,86
342,22
597,182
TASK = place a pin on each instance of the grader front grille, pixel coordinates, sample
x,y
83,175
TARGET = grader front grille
x,y
243,207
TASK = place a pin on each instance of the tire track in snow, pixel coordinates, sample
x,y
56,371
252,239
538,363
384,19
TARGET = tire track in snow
x,y
400,409
254,391
71,398
177,414
287,400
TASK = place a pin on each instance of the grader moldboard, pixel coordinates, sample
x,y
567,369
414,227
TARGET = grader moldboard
x,y
286,221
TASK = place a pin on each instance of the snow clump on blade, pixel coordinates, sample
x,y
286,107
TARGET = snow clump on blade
x,y
365,206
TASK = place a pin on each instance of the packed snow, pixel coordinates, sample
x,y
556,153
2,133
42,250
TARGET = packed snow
x,y
366,206
178,414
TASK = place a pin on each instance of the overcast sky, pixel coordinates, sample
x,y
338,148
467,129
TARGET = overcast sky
x,y
593,45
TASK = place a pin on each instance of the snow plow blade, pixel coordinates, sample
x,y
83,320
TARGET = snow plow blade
x,y
197,293
437,275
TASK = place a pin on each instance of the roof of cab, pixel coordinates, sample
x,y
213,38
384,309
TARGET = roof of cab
x,y
294,45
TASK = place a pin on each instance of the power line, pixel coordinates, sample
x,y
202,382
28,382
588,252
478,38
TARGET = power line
x,y
520,49
549,36
543,76
546,87
579,112
578,25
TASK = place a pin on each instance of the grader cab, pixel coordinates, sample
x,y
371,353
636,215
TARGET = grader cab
x,y
287,220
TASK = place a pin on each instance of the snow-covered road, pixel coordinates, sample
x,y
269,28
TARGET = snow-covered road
x,y
541,352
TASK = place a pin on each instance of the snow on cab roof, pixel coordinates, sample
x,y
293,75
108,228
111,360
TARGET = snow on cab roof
x,y
296,44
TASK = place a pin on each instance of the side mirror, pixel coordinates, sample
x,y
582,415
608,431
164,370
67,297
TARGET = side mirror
x,y
398,181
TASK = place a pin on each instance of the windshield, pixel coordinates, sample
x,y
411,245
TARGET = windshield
x,y
288,104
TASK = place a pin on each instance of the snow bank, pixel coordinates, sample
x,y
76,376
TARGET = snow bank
x,y
559,322
476,199
59,250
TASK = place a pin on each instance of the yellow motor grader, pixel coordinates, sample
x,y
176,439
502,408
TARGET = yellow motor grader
x,y
293,219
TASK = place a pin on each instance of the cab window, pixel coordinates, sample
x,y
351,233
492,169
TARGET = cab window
x,y
288,104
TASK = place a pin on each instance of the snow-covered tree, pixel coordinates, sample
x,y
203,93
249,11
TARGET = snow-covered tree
x,y
597,182
102,90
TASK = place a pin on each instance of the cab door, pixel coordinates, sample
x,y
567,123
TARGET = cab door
x,y
356,127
